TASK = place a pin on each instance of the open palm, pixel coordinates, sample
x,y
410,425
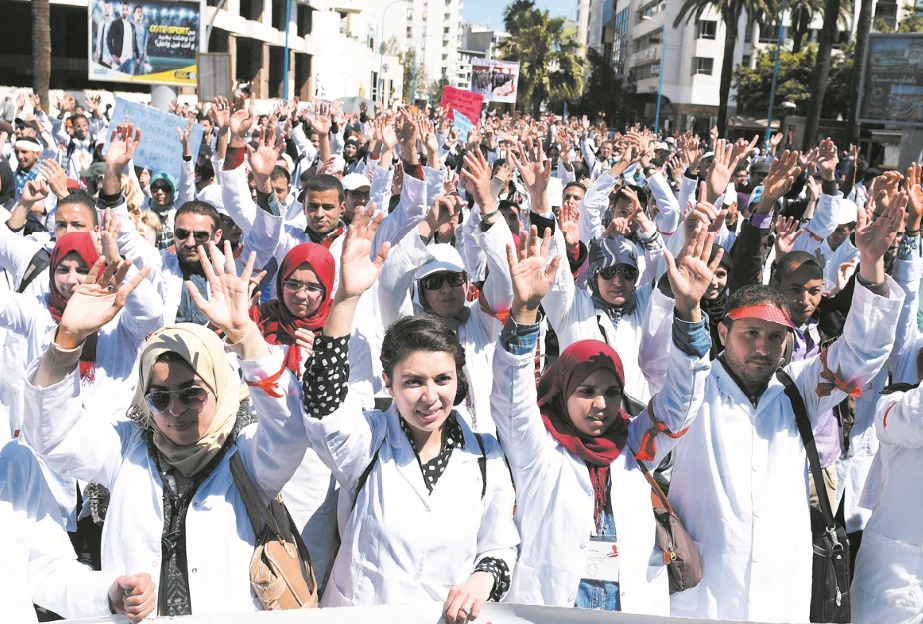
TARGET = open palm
x,y
358,270
532,277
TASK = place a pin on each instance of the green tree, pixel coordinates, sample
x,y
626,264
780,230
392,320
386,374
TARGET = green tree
x,y
828,34
606,94
796,72
546,48
730,11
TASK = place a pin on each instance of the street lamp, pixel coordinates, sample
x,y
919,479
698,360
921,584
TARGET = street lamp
x,y
775,73
381,47
288,24
663,56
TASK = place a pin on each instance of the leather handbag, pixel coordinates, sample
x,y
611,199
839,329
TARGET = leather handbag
x,y
831,573
684,565
280,570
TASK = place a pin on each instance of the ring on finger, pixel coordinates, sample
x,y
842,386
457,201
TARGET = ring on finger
x,y
466,611
110,287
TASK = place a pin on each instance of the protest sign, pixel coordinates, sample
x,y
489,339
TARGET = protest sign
x,y
160,48
496,81
463,126
160,148
465,102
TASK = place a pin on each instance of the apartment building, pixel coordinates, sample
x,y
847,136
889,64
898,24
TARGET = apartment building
x,y
432,28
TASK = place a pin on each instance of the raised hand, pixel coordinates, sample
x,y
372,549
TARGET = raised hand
x,y
358,270
263,159
321,120
55,176
568,222
34,192
531,276
827,159
96,302
719,173
241,120
691,277
787,232
534,169
122,145
184,137
779,180
408,133
109,238
873,238
228,305
220,114
915,197
704,214
475,175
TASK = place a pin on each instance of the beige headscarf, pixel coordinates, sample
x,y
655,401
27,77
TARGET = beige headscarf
x,y
204,352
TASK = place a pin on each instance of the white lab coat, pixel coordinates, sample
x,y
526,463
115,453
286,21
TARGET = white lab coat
x,y
400,543
37,561
887,586
740,477
554,507
219,537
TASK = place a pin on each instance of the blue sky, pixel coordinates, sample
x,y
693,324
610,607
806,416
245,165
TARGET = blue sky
x,y
482,11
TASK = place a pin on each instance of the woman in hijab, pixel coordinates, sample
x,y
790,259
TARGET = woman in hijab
x,y
304,287
583,496
715,298
175,508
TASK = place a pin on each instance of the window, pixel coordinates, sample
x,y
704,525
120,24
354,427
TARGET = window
x,y
707,29
703,65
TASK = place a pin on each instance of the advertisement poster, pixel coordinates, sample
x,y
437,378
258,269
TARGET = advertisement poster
x,y
892,83
497,81
148,41
160,148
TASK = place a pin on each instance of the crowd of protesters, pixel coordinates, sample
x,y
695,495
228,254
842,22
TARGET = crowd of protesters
x,y
459,360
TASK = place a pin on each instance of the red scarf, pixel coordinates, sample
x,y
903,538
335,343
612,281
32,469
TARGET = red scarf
x,y
276,322
558,383
80,243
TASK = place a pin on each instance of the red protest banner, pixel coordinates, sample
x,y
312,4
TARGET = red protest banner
x,y
465,102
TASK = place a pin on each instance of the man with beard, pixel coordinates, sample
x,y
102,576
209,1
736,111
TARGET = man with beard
x,y
740,472
78,154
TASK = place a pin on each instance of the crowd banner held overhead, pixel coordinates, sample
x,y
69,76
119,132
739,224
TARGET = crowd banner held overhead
x,y
148,41
463,126
892,80
160,148
497,81
214,76
465,102
427,613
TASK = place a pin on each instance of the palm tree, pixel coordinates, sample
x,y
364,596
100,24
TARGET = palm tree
x,y
863,27
41,49
550,68
821,72
730,11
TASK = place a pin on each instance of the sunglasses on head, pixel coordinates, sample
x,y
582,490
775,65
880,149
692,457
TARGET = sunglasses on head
x,y
192,397
436,280
627,272
201,237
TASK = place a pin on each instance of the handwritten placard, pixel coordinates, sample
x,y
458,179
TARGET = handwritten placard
x,y
160,148
465,102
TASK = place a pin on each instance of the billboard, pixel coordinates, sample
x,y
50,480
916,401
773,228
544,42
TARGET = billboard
x,y
146,41
892,80
497,81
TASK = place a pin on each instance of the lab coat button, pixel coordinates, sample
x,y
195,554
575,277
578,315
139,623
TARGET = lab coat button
x,y
155,563
583,545
195,503
416,577
571,599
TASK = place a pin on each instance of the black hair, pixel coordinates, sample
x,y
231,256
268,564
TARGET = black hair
x,y
280,172
794,260
204,167
423,333
84,199
754,294
577,184
73,118
200,208
325,182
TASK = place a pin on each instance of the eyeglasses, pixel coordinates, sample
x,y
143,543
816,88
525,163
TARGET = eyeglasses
x,y
627,272
192,397
436,280
161,187
201,237
360,194
294,286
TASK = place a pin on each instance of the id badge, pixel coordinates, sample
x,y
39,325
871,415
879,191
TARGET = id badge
x,y
602,561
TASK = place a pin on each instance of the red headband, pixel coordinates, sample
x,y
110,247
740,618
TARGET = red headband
x,y
771,313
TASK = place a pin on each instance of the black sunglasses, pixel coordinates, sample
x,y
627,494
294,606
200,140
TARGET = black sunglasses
x,y
436,280
161,187
627,272
192,397
201,237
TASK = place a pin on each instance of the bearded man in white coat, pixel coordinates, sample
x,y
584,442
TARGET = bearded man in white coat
x,y
740,479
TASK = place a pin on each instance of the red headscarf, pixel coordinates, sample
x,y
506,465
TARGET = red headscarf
x,y
276,322
82,244
558,383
